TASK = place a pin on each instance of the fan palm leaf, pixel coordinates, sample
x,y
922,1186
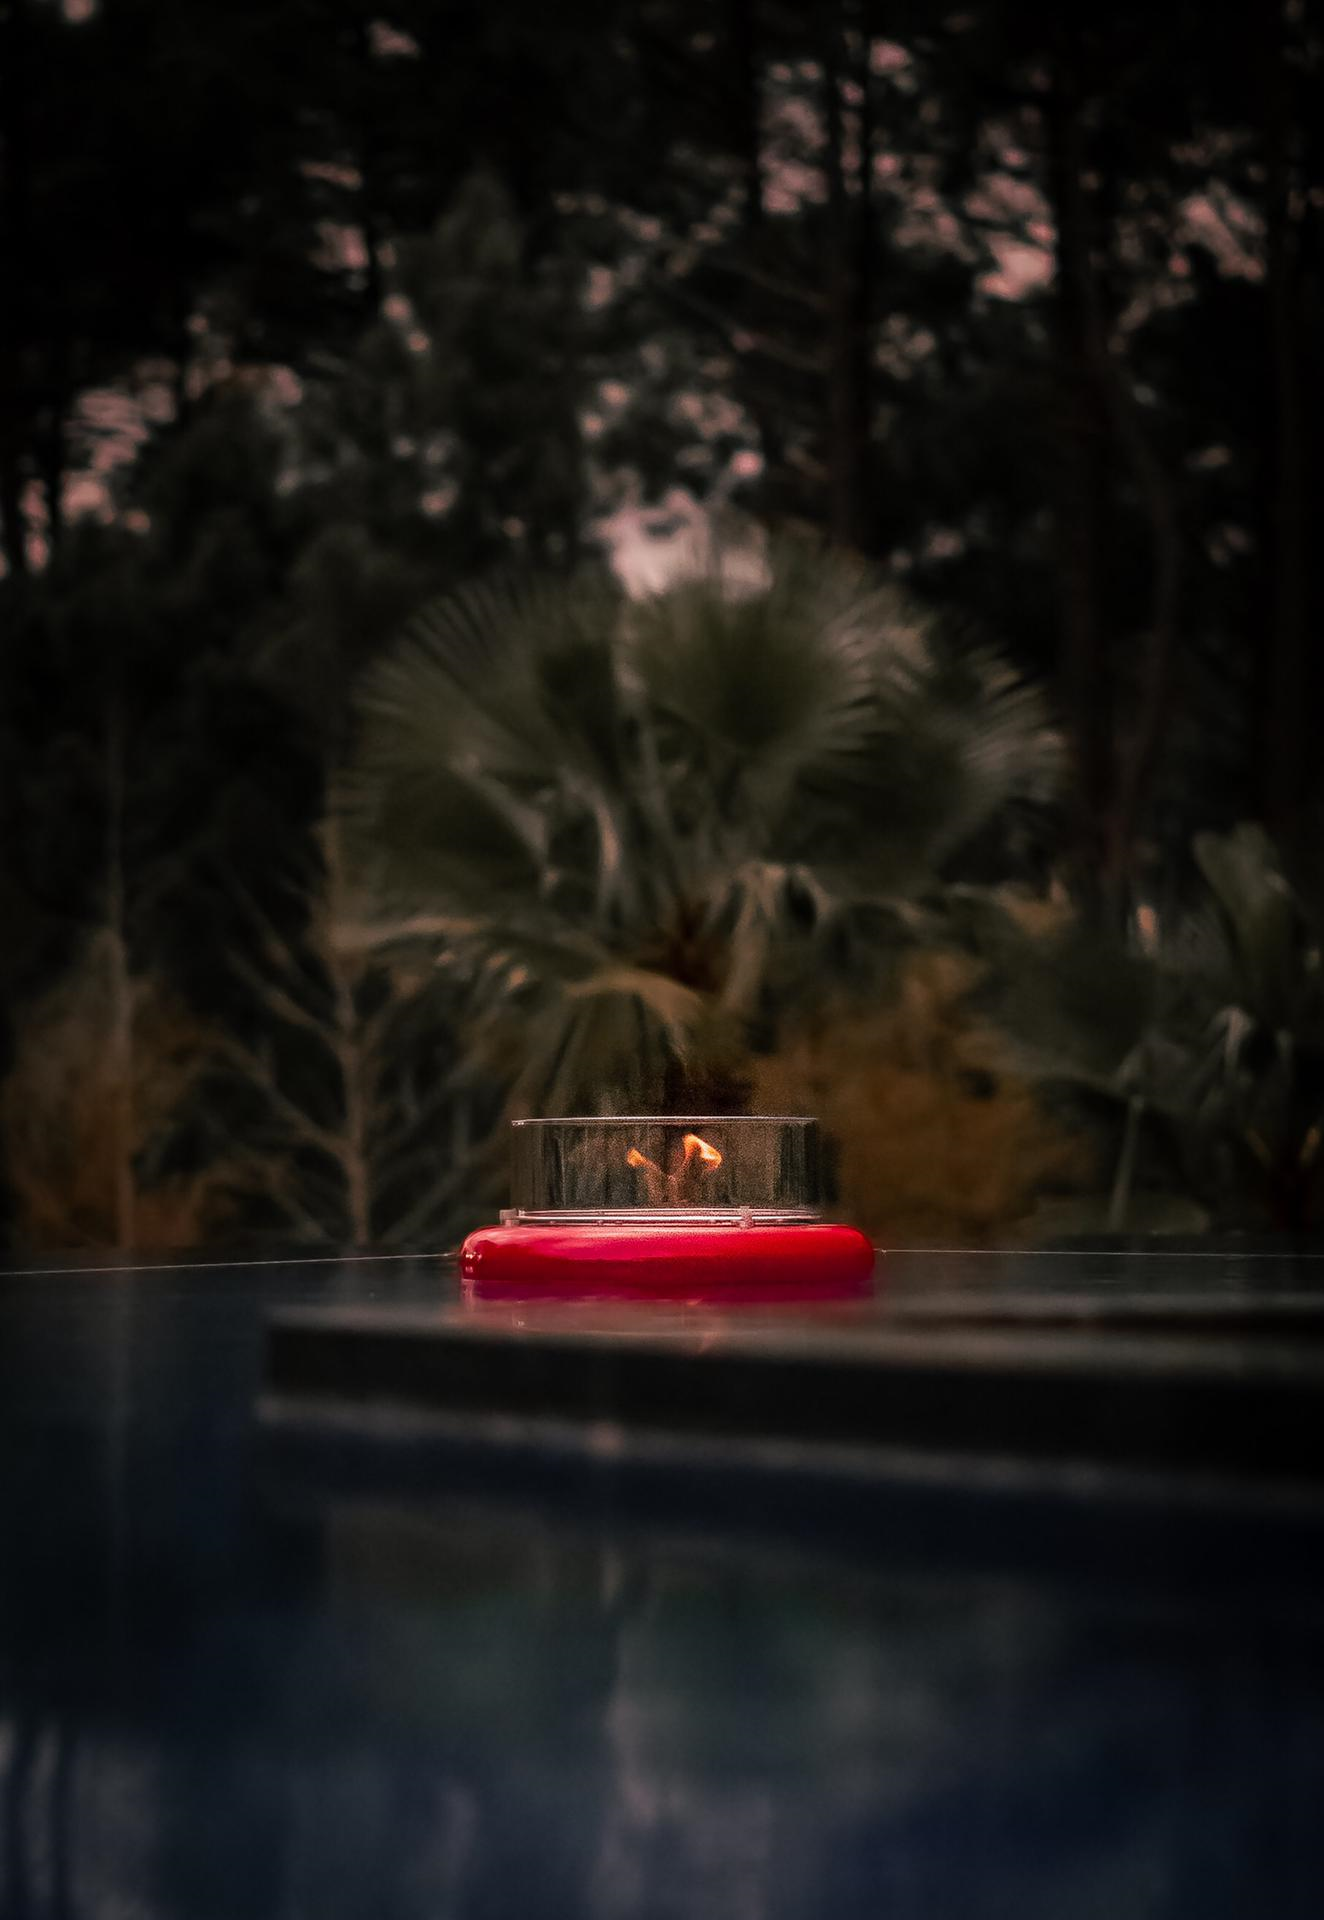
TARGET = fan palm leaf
x,y
642,812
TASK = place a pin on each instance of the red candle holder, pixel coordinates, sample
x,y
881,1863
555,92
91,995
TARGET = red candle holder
x,y
699,1208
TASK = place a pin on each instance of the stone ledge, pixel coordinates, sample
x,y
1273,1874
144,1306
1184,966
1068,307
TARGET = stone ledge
x,y
1178,1401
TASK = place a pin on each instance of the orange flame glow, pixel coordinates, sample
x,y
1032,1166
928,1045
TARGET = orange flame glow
x,y
707,1154
698,1157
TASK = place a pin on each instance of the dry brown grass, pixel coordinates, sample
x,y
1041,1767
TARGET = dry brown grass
x,y
63,1117
936,1145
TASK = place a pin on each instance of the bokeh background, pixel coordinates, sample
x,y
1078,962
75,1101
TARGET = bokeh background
x,y
658,555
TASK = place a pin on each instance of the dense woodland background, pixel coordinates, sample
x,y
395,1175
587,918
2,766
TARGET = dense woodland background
x,y
312,316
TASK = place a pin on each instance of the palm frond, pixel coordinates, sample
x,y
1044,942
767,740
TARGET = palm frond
x,y
1261,912
603,1042
620,806
774,676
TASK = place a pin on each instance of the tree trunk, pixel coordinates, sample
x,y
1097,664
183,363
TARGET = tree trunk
x,y
1287,716
1102,417
51,459
1081,485
847,268
350,1048
366,143
1157,688
742,39
15,188
746,91
861,334
120,1039
1154,693
183,359
13,522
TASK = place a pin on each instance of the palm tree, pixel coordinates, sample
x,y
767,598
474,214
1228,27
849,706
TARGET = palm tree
x,y
638,828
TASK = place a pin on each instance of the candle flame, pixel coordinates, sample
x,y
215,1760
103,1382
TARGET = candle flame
x,y
706,1152
698,1157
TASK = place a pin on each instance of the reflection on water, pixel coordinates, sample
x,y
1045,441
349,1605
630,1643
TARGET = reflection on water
x,y
219,1701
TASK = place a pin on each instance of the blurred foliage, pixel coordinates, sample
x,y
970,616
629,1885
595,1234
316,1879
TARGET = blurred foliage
x,y
344,1074
1203,1031
72,1105
935,1141
314,318
639,829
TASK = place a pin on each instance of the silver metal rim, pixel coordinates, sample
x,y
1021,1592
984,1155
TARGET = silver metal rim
x,y
674,1120
659,1217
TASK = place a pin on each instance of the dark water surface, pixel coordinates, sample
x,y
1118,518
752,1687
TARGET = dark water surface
x,y
221,1697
